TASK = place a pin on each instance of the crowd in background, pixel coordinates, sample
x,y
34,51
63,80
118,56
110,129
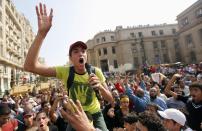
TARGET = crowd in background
x,y
163,98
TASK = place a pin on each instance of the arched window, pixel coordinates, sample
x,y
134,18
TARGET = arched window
x,y
192,57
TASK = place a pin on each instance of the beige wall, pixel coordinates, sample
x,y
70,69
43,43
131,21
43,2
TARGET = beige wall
x,y
125,40
190,23
16,36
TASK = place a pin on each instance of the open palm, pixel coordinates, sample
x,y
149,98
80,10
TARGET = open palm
x,y
44,20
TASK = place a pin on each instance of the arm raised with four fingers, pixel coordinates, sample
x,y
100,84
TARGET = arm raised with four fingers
x,y
44,24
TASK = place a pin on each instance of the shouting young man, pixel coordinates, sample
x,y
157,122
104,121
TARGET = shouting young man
x,y
81,85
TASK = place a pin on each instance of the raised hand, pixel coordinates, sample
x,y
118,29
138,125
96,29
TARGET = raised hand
x,y
78,119
44,20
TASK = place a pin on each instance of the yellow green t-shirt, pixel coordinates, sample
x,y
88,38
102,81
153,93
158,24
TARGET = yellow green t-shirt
x,y
80,88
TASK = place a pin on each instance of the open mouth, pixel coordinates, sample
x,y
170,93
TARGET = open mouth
x,y
41,125
81,60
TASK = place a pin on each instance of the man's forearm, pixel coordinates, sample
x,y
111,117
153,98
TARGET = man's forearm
x,y
106,94
32,56
168,87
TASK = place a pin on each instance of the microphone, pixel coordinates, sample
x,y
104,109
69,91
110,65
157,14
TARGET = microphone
x,y
89,70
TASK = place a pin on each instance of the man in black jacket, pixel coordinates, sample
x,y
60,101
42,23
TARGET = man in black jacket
x,y
193,105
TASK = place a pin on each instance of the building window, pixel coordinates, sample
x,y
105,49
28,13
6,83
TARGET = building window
x,y
133,44
5,70
153,33
104,65
143,60
142,47
192,57
157,59
199,13
99,52
98,40
135,60
165,58
178,56
155,45
177,46
134,49
115,64
1,49
184,21
161,32
105,51
1,32
132,35
175,41
103,39
113,50
112,38
174,31
163,44
140,34
200,35
189,40
0,16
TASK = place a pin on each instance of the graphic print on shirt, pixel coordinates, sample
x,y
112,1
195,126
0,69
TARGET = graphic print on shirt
x,y
82,92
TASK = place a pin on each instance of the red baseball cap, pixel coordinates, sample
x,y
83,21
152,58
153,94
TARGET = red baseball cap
x,y
76,44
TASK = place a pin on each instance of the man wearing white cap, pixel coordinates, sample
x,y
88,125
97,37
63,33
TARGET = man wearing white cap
x,y
174,120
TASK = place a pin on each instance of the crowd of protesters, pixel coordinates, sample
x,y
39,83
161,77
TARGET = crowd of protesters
x,y
147,100
151,99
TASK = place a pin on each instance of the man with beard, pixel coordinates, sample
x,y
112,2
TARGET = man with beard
x,y
157,100
83,83
193,105
172,102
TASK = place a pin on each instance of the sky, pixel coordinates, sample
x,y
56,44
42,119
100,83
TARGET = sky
x,y
75,20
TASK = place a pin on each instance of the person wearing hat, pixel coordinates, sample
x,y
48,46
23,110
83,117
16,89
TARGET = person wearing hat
x,y
28,117
6,123
78,58
173,119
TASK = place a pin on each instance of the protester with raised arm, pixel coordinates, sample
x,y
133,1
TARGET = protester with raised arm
x,y
84,86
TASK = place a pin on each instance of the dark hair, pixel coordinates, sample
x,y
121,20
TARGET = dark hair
x,y
4,109
196,85
131,118
153,105
78,43
41,111
44,103
151,121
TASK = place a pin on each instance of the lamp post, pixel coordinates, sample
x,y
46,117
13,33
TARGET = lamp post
x,y
143,49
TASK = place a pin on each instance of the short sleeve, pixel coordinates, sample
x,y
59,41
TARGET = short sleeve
x,y
62,72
